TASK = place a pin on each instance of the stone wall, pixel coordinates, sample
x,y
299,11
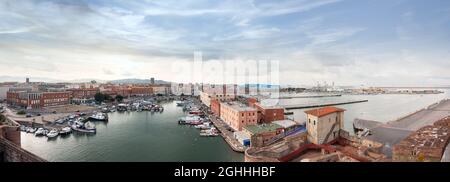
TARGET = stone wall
x,y
13,153
10,150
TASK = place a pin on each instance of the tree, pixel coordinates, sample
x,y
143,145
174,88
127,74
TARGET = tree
x,y
21,112
119,98
99,97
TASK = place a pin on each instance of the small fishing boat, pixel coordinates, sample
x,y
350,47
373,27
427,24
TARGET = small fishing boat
x,y
53,133
85,128
204,126
31,130
209,132
65,131
23,128
99,117
41,132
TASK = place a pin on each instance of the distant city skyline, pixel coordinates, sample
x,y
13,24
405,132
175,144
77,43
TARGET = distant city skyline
x,y
348,42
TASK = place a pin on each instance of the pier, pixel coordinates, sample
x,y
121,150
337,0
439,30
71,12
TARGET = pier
x,y
304,106
309,96
423,117
392,132
227,135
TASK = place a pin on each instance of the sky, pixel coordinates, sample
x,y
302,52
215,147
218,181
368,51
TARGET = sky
x,y
349,42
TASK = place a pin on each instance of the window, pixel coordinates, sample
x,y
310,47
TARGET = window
x,y
242,121
309,120
314,122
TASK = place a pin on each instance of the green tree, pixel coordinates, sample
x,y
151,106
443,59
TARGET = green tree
x,y
21,112
119,98
109,98
99,97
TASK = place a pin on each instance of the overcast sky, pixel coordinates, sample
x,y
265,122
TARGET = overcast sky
x,y
349,42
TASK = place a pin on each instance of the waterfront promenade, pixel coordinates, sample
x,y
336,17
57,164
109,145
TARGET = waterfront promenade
x,y
227,135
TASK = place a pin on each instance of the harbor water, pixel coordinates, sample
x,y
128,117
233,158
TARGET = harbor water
x,y
135,137
157,137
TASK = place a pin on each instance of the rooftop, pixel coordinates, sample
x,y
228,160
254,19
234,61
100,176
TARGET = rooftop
x,y
443,122
285,123
239,106
268,105
324,111
256,129
425,140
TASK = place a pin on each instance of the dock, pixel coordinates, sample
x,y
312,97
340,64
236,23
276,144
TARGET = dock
x,y
392,132
305,106
227,135
423,117
309,96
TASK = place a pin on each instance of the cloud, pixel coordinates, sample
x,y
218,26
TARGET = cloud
x,y
108,71
314,40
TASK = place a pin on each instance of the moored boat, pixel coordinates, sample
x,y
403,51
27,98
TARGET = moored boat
x,y
85,128
99,117
65,131
53,133
41,132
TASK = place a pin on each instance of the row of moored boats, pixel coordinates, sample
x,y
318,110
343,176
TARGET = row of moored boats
x,y
79,122
198,119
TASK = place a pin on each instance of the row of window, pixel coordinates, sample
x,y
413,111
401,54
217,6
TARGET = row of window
x,y
329,120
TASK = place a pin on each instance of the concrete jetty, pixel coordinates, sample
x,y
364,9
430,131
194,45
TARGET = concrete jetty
x,y
308,105
309,96
423,117
393,132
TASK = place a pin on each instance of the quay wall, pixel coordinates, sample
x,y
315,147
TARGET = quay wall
x,y
10,152
10,130
11,133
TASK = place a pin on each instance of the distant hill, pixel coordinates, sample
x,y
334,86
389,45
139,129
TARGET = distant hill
x,y
137,81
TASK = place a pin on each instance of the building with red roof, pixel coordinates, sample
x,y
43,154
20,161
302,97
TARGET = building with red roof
x,y
323,124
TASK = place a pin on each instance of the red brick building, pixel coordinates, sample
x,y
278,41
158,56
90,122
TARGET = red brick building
x,y
37,100
268,114
252,101
141,91
50,99
215,107
83,95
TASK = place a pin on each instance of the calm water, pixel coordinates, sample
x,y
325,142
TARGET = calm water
x,y
381,108
135,136
142,136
